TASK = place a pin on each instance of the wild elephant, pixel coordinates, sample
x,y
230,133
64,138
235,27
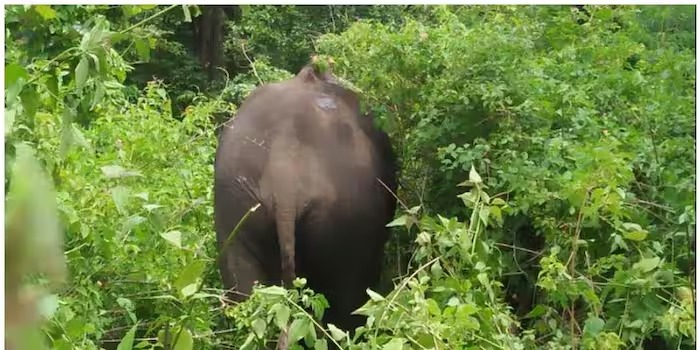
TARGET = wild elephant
x,y
320,170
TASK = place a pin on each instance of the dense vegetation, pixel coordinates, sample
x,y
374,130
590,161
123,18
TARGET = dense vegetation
x,y
547,186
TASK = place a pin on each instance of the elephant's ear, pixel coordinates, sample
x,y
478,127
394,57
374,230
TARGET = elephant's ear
x,y
320,69
308,75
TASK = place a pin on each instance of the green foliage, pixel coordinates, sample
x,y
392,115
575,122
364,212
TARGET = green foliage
x,y
573,131
156,237
273,310
583,126
109,193
287,35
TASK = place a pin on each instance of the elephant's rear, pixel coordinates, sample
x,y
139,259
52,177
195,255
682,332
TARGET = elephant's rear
x,y
301,149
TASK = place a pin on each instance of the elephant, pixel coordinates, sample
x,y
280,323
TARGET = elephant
x,y
325,179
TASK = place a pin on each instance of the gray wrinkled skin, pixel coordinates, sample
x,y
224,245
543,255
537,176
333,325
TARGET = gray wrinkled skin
x,y
304,152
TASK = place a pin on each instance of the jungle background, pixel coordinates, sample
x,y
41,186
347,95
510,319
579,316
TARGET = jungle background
x,y
547,155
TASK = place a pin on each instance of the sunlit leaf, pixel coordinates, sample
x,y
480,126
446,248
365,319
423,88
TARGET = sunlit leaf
x,y
120,196
81,72
647,264
298,329
400,221
189,276
394,344
143,49
173,237
593,326
45,11
336,332
374,295
474,176
128,341
184,340
13,72
259,327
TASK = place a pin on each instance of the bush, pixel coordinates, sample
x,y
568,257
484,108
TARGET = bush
x,y
572,129
581,128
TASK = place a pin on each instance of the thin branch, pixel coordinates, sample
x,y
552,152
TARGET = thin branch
x,y
148,19
252,66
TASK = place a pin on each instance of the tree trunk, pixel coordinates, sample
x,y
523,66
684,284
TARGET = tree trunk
x,y
209,36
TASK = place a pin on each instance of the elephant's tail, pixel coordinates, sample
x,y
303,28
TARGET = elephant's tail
x,y
285,218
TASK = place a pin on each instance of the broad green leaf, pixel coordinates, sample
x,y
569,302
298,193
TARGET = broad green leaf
x,y
634,232
336,333
621,192
75,328
143,49
95,60
495,212
647,264
52,86
298,329
414,210
635,324
30,101
593,326
321,344
13,72
618,242
125,303
113,85
85,42
13,91
249,343
471,323
81,72
464,310
631,226
184,341
636,236
282,313
188,290
538,311
189,276
436,269
394,344
272,290
483,278
433,307
259,327
120,196
498,201
45,11
468,198
400,221
474,176
484,215
173,237
374,295
128,341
